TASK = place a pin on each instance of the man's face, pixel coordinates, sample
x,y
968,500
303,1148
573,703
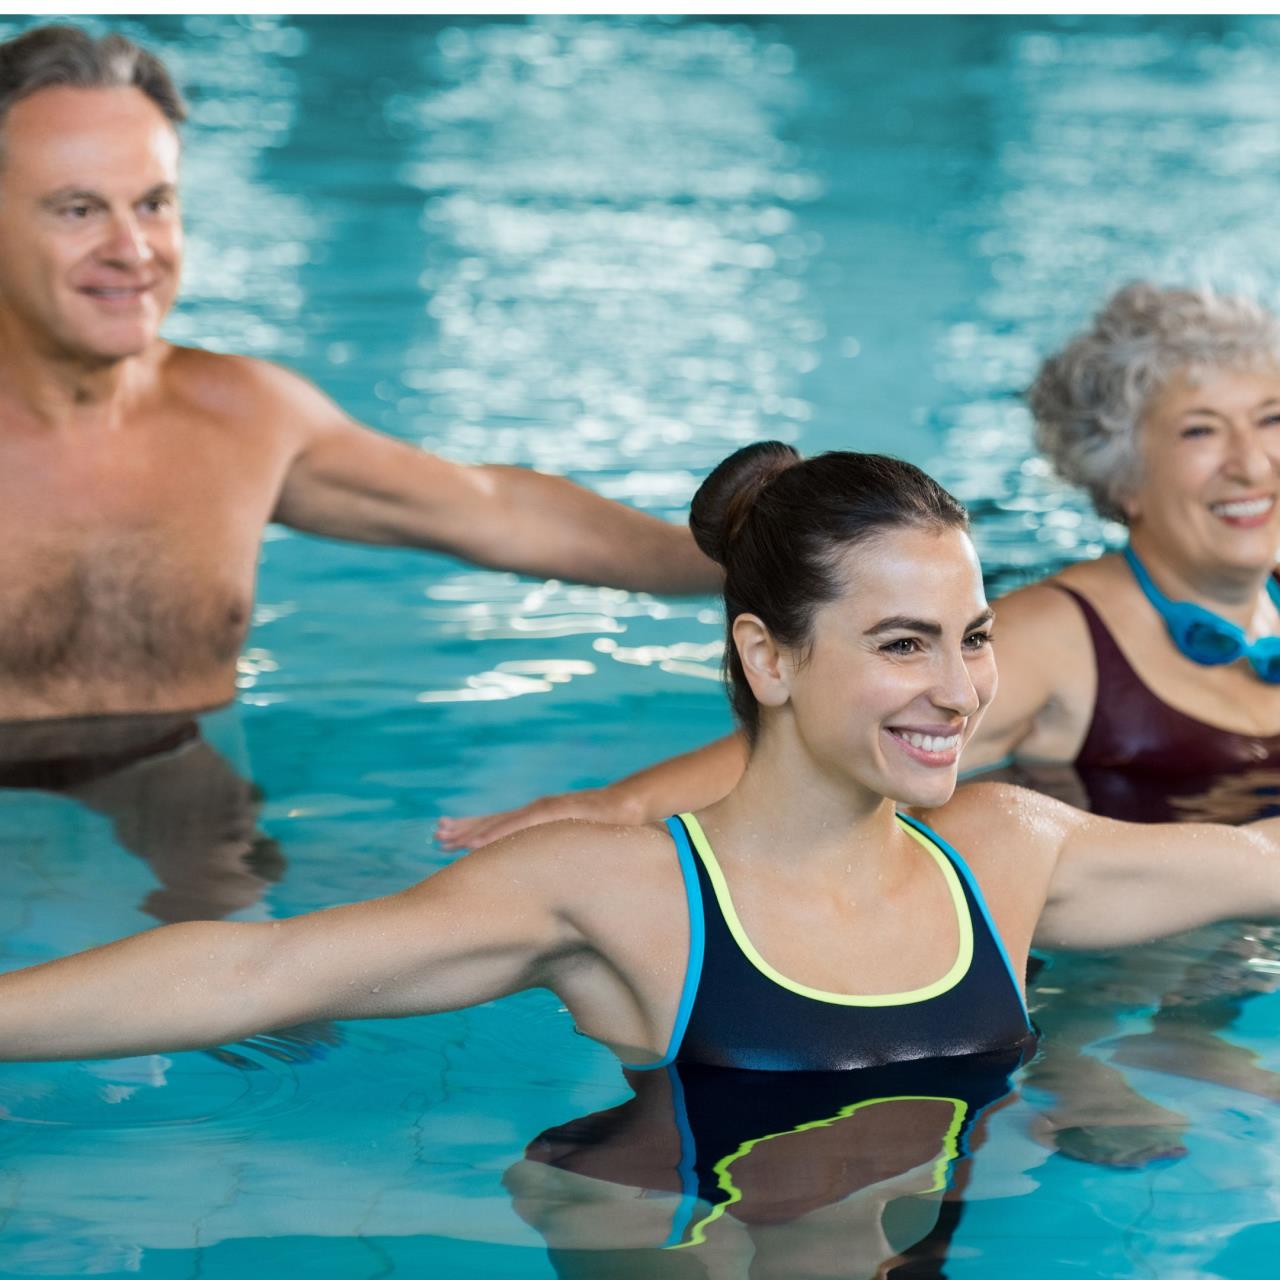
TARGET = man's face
x,y
90,232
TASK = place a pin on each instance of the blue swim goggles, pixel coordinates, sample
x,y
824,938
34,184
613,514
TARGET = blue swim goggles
x,y
1206,638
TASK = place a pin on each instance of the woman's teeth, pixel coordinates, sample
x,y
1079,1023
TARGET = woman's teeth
x,y
928,742
1243,510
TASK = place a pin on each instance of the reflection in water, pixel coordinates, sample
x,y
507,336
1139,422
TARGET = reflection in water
x,y
1193,987
614,256
175,801
710,1172
1124,151
172,799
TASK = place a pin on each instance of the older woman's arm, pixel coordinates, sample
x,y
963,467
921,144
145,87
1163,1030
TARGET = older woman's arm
x,y
695,780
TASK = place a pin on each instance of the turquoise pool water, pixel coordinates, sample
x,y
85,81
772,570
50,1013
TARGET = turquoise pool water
x,y
616,249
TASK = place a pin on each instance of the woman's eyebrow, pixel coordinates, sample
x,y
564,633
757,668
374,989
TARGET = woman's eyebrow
x,y
901,622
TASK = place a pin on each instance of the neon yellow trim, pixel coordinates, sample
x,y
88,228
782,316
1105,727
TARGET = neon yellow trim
x,y
724,1179
964,953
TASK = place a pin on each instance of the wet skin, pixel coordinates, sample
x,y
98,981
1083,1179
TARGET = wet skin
x,y
136,477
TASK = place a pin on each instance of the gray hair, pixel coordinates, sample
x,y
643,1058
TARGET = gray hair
x,y
1089,398
58,55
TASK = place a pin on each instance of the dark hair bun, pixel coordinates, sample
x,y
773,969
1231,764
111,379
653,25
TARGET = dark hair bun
x,y
724,499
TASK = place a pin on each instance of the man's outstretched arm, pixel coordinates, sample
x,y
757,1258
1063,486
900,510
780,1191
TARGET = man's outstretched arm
x,y
350,482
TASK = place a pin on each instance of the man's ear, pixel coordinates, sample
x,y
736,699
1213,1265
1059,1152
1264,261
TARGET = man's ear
x,y
763,662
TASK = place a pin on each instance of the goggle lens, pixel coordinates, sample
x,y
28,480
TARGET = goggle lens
x,y
1206,644
1264,658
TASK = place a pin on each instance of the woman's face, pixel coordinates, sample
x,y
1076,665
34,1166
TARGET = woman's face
x,y
900,667
1210,453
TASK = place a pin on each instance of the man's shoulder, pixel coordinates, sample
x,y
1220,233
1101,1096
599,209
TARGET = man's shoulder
x,y
214,376
243,391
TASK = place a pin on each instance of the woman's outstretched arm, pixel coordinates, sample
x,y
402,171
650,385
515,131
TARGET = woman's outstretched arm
x,y
483,927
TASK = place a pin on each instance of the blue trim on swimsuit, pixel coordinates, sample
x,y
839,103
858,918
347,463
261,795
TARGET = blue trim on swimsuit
x,y
697,945
963,868
688,1166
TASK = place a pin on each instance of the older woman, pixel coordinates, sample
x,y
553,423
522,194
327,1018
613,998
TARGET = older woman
x,y
1163,660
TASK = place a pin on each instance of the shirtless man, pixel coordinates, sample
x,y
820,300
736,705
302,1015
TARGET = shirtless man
x,y
136,477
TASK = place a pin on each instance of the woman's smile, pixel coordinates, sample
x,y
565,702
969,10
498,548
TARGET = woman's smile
x,y
936,748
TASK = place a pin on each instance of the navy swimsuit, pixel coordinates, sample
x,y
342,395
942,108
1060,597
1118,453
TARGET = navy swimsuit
x,y
766,1081
737,1011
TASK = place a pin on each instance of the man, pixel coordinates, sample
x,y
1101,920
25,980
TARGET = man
x,y
136,478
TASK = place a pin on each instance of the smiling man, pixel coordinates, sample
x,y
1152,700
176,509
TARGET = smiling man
x,y
136,477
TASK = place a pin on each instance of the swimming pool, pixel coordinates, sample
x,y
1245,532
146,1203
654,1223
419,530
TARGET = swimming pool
x,y
616,249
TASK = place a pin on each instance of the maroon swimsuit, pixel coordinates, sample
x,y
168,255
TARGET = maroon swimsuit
x,y
1141,754
1133,729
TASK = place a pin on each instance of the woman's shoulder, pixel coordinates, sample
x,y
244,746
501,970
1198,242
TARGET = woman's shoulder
x,y
1002,828
980,813
1047,678
1009,837
1052,597
1039,614
573,859
1106,579
1044,624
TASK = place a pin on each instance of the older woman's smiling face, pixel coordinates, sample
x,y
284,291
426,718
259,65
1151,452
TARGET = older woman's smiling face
x,y
1208,494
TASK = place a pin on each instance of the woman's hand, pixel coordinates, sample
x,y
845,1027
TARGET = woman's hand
x,y
594,804
692,781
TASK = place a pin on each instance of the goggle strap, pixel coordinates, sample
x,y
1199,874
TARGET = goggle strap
x,y
1153,593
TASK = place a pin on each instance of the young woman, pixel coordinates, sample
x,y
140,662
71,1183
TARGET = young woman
x,y
1151,678
1167,412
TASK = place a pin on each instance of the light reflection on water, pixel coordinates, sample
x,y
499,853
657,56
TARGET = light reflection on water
x,y
1120,155
612,256
615,249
